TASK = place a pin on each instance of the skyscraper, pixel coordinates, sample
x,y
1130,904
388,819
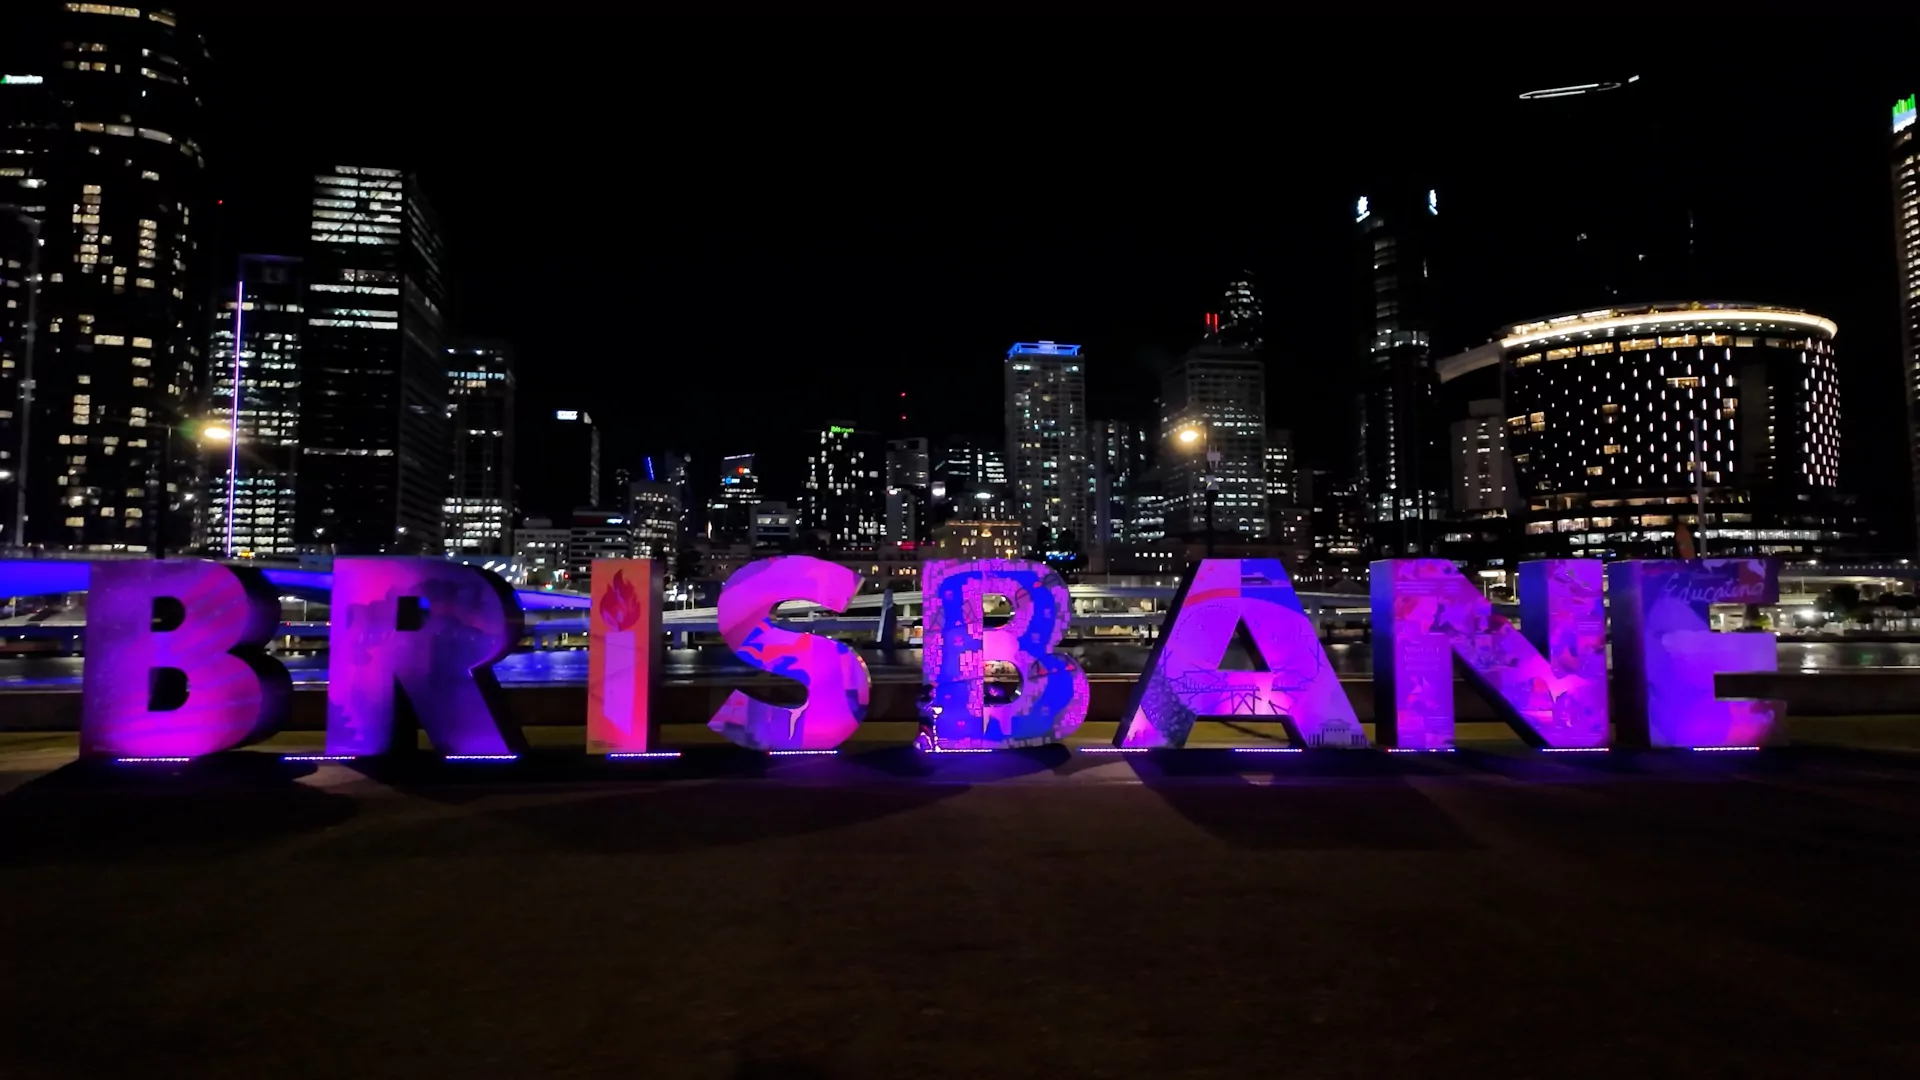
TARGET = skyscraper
x,y
969,482
480,392
653,512
1242,318
100,150
1596,237
730,514
1213,403
1405,472
676,471
561,470
1482,485
845,487
909,471
1046,400
1906,241
375,456
248,503
1119,453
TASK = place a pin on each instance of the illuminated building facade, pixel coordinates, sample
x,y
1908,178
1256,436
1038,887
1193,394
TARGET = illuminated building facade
x,y
1242,320
248,501
1404,469
969,481
1337,518
1046,417
909,500
100,152
844,488
1220,393
730,514
376,456
480,392
1482,481
1906,239
984,539
1607,412
1119,455
653,509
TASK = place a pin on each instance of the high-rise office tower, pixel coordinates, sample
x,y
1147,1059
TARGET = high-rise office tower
x,y
1396,232
1242,320
480,392
101,159
248,502
969,482
1906,242
1213,431
1337,519
1282,471
676,471
1119,453
730,513
653,513
561,470
909,472
1482,484
1594,237
1046,400
845,487
375,455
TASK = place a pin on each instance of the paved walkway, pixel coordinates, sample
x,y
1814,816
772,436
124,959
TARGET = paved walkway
x,y
1046,914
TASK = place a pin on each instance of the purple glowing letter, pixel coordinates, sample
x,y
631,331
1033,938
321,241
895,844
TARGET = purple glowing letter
x,y
834,675
958,647
176,665
1184,681
416,639
1550,684
1666,656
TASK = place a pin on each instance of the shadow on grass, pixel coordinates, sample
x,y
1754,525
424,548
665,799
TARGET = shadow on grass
x,y
105,811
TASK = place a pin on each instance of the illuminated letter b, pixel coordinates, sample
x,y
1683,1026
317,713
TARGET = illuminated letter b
x,y
175,659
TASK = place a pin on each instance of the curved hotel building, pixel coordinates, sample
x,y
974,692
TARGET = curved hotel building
x,y
1619,421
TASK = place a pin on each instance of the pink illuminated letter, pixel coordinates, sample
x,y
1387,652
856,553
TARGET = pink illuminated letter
x,y
623,655
1184,681
834,675
415,639
958,649
1550,685
1666,654
176,664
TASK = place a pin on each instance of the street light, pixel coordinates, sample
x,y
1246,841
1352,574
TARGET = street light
x,y
1194,436
205,434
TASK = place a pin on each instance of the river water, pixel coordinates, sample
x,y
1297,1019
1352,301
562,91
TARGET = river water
x,y
562,667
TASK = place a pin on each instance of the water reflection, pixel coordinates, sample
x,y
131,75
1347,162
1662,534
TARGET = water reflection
x,y
715,661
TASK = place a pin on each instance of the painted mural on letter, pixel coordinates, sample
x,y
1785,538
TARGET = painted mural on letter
x,y
834,675
960,653
1184,681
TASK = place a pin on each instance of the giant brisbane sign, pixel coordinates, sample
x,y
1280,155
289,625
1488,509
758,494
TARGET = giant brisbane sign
x,y
176,661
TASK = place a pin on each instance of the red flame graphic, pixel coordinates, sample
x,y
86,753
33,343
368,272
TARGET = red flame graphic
x,y
620,609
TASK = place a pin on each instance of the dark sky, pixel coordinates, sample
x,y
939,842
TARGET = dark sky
x,y
715,235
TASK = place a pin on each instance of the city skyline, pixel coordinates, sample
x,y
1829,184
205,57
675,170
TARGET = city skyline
x,y
754,269
866,298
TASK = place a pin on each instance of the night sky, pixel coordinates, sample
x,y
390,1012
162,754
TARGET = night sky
x,y
717,235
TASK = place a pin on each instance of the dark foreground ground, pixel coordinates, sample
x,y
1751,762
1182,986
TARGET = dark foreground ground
x,y
1477,914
